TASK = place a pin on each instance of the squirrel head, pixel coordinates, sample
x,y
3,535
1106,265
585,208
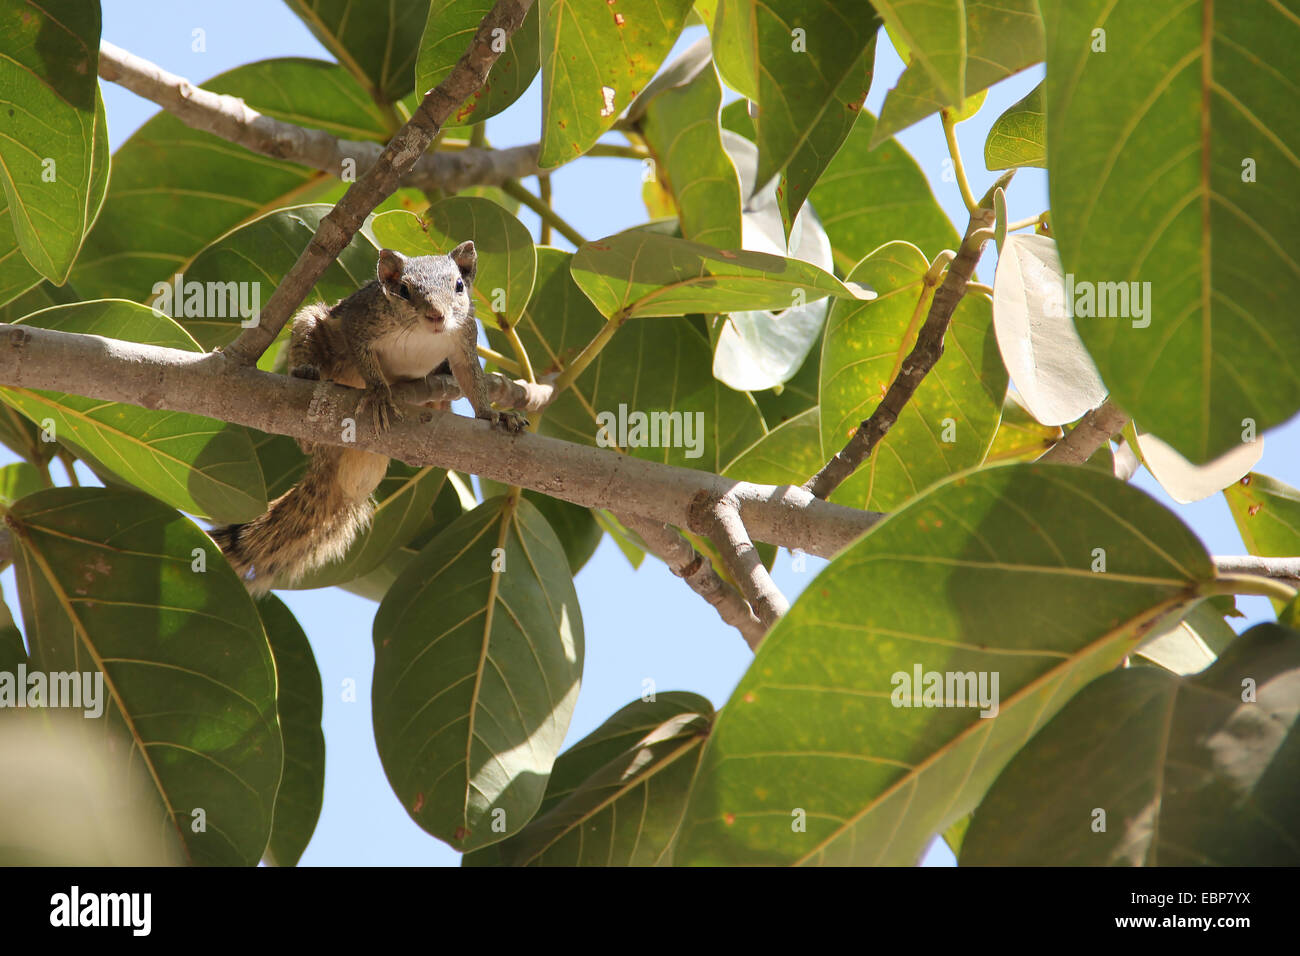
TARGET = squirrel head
x,y
436,291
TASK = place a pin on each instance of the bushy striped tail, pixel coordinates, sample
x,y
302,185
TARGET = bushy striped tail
x,y
311,524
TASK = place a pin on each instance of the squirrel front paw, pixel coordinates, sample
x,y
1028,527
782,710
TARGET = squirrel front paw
x,y
309,372
512,422
383,412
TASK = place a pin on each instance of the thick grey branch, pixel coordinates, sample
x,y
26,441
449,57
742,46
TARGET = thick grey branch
x,y
1283,569
382,179
211,384
231,119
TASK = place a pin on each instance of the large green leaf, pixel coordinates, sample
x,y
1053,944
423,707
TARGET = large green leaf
x,y
819,144
934,37
681,128
1019,136
1188,771
299,702
639,273
616,797
1267,513
595,60
447,34
950,421
507,263
988,573
48,94
476,673
377,43
196,464
576,527
110,584
786,455
1002,37
175,189
1153,183
793,58
868,197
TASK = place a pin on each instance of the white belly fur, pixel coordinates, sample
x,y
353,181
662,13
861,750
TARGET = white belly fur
x,y
412,355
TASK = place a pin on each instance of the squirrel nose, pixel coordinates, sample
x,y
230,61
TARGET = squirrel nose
x,y
434,315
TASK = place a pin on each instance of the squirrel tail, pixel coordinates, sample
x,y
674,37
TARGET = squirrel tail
x,y
311,524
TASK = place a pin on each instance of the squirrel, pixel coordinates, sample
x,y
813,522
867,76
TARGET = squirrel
x,y
416,317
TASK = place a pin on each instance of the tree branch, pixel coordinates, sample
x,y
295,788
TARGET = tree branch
x,y
207,384
696,570
381,180
924,355
719,518
229,118
1282,569
1093,431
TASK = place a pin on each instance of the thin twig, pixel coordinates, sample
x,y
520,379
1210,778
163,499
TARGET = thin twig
x,y
697,571
719,519
515,189
1093,430
229,118
924,355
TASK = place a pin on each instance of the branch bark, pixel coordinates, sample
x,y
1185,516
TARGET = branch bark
x,y
231,119
381,180
208,384
924,355
719,519
1093,431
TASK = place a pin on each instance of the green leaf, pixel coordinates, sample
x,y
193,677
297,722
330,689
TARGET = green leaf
x,y
955,834
796,395
950,421
12,649
616,797
638,273
934,40
507,262
1191,645
823,139
299,702
595,59
1150,184
175,190
49,94
18,481
470,712
1267,513
1052,371
787,455
377,44
796,77
868,197
1020,437
108,585
256,257
574,525
1190,771
199,465
1002,37
987,573
448,31
681,129
1019,136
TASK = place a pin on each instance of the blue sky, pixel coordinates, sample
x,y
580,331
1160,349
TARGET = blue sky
x,y
639,624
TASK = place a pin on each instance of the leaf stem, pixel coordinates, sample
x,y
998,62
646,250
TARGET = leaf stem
x,y
588,354
950,133
1248,584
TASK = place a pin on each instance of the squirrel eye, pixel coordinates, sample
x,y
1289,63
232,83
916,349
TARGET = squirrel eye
x,y
404,291
460,285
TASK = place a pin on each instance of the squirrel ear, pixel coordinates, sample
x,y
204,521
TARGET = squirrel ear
x,y
466,259
391,265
